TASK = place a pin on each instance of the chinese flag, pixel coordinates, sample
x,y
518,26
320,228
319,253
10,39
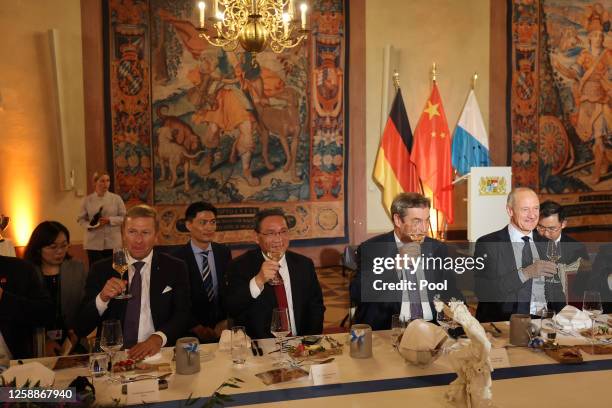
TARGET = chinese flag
x,y
394,171
431,154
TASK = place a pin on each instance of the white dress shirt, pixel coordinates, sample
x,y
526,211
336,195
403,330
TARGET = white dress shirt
x,y
284,273
5,353
405,310
538,297
145,325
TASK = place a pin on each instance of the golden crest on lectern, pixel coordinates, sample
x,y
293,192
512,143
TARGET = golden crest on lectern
x,y
494,185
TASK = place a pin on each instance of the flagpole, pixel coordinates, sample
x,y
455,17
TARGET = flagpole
x,y
474,78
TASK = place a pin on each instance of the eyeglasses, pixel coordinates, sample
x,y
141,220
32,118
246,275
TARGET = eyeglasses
x,y
548,229
57,247
207,222
273,234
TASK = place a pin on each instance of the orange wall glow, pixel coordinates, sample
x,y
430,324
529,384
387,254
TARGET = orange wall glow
x,y
21,212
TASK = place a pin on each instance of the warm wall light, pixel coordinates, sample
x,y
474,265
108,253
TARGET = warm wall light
x,y
22,213
1,103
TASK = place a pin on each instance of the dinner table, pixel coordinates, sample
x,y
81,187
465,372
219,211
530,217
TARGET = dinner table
x,y
527,378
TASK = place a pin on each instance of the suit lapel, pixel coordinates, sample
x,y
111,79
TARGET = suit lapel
x,y
218,259
155,287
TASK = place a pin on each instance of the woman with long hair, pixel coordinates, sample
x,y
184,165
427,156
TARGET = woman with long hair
x,y
101,215
63,277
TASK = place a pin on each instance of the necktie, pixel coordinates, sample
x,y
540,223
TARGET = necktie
x,y
132,312
527,256
281,295
412,296
207,277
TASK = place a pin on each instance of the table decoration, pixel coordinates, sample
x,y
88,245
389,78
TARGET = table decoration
x,y
361,341
421,343
470,360
187,356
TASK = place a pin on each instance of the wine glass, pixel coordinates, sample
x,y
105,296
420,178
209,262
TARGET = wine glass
x,y
276,257
280,327
120,264
418,238
591,305
553,253
111,337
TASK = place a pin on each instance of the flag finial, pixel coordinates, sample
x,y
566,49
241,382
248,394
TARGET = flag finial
x,y
474,78
434,72
396,79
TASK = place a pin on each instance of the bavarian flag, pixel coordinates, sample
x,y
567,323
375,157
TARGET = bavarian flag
x,y
470,141
394,171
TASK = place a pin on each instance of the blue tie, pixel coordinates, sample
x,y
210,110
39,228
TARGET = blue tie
x,y
207,277
132,313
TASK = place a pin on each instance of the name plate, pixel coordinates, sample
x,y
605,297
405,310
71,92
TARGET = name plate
x,y
142,391
325,373
499,358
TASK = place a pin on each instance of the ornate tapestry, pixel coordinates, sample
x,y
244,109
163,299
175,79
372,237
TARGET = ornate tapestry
x,y
190,121
561,104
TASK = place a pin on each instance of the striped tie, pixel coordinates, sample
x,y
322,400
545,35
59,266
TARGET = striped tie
x,y
207,277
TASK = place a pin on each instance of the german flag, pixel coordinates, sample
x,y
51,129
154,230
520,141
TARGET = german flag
x,y
394,170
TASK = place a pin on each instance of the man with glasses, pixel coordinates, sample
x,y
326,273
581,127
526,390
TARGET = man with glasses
x,y
271,277
207,262
551,225
158,311
410,216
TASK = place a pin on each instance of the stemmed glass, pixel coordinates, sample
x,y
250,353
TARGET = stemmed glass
x,y
553,253
418,238
120,264
280,328
591,305
276,257
111,338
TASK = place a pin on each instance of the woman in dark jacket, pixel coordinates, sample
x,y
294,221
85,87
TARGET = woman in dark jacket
x,y
63,277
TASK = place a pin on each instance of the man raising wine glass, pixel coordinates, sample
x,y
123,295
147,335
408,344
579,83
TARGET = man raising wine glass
x,y
157,312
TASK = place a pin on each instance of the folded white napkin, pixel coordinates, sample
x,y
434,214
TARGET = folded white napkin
x,y
33,372
422,336
225,342
571,318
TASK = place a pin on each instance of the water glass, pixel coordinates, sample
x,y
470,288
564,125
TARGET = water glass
x,y
398,325
239,345
98,364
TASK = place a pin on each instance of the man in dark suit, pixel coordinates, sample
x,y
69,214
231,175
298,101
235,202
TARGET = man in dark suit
x,y
24,305
514,275
207,263
601,277
550,226
159,309
410,216
251,298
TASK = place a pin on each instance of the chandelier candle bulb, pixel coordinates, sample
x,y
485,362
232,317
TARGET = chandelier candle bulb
x,y
216,9
286,19
303,8
201,6
291,9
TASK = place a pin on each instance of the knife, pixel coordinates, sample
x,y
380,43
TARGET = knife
x,y
253,349
259,349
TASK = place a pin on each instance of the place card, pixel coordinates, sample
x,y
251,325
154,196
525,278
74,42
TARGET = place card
x,y
499,358
325,373
143,391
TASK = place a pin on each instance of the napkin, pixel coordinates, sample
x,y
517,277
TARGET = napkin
x,y
34,372
225,342
571,318
422,336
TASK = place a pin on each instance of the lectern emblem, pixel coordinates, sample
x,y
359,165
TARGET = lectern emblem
x,y
495,185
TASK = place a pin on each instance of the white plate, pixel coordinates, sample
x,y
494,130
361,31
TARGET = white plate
x,y
154,358
30,371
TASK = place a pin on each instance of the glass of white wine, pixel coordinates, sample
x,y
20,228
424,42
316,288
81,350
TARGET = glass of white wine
x,y
280,328
592,306
418,238
276,257
553,253
120,264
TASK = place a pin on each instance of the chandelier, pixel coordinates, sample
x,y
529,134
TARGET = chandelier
x,y
254,24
